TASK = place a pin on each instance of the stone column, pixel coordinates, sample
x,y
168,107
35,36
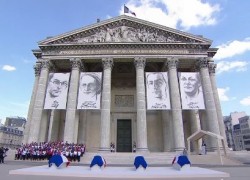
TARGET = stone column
x,y
211,113
82,127
167,131
39,102
212,68
72,114
175,105
44,126
77,119
106,104
51,124
194,121
195,125
54,123
37,69
142,144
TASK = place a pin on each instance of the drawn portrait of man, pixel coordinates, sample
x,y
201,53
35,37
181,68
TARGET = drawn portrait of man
x,y
191,90
157,90
57,90
89,93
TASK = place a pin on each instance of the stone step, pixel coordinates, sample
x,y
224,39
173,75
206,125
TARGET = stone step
x,y
152,158
128,158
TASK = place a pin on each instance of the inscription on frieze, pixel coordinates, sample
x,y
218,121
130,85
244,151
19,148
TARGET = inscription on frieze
x,y
124,100
118,51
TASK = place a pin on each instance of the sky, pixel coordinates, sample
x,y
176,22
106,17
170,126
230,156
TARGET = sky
x,y
24,23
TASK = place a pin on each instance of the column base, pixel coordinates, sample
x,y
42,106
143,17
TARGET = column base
x,y
179,149
104,149
142,150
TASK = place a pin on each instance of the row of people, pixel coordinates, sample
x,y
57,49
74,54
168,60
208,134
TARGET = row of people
x,y
43,151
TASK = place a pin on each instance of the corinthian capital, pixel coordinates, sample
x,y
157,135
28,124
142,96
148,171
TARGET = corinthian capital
x,y
202,63
107,63
140,62
172,63
47,64
37,68
76,63
211,68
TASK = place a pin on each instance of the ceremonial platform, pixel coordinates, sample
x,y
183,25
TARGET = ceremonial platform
x,y
123,172
121,165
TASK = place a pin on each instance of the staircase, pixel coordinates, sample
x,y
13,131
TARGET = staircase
x,y
152,158
159,159
128,158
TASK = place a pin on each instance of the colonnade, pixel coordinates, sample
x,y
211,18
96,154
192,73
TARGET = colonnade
x,y
35,130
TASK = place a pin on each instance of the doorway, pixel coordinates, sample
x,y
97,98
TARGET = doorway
x,y
124,135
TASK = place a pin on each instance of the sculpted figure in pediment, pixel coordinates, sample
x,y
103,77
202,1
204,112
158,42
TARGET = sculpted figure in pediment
x,y
126,34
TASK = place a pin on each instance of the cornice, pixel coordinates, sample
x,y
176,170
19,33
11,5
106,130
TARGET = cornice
x,y
212,51
126,45
37,53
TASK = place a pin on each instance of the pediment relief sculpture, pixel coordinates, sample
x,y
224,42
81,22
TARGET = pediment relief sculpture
x,y
126,34
124,29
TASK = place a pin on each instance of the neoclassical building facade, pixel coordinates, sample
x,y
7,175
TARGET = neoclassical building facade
x,y
123,49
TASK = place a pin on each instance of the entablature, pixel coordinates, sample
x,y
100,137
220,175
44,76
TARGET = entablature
x,y
125,49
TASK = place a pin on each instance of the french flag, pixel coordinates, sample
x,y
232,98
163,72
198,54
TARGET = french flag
x,y
127,10
180,161
59,161
99,161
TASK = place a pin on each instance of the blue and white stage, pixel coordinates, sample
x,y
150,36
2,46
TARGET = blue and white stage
x,y
122,172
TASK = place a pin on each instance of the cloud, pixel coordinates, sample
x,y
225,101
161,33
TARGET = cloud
x,y
224,66
245,101
8,68
222,93
233,48
173,13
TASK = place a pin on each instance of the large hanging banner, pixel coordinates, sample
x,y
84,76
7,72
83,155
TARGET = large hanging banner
x,y
157,91
89,93
57,91
191,90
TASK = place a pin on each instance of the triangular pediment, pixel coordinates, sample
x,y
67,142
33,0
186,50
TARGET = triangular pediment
x,y
124,29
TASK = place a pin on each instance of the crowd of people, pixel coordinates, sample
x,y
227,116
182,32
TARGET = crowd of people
x,y
45,150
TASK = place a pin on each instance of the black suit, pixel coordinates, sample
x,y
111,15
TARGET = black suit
x,y
1,155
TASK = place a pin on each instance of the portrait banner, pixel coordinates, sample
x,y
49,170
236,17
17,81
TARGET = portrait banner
x,y
57,91
157,91
89,94
191,90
